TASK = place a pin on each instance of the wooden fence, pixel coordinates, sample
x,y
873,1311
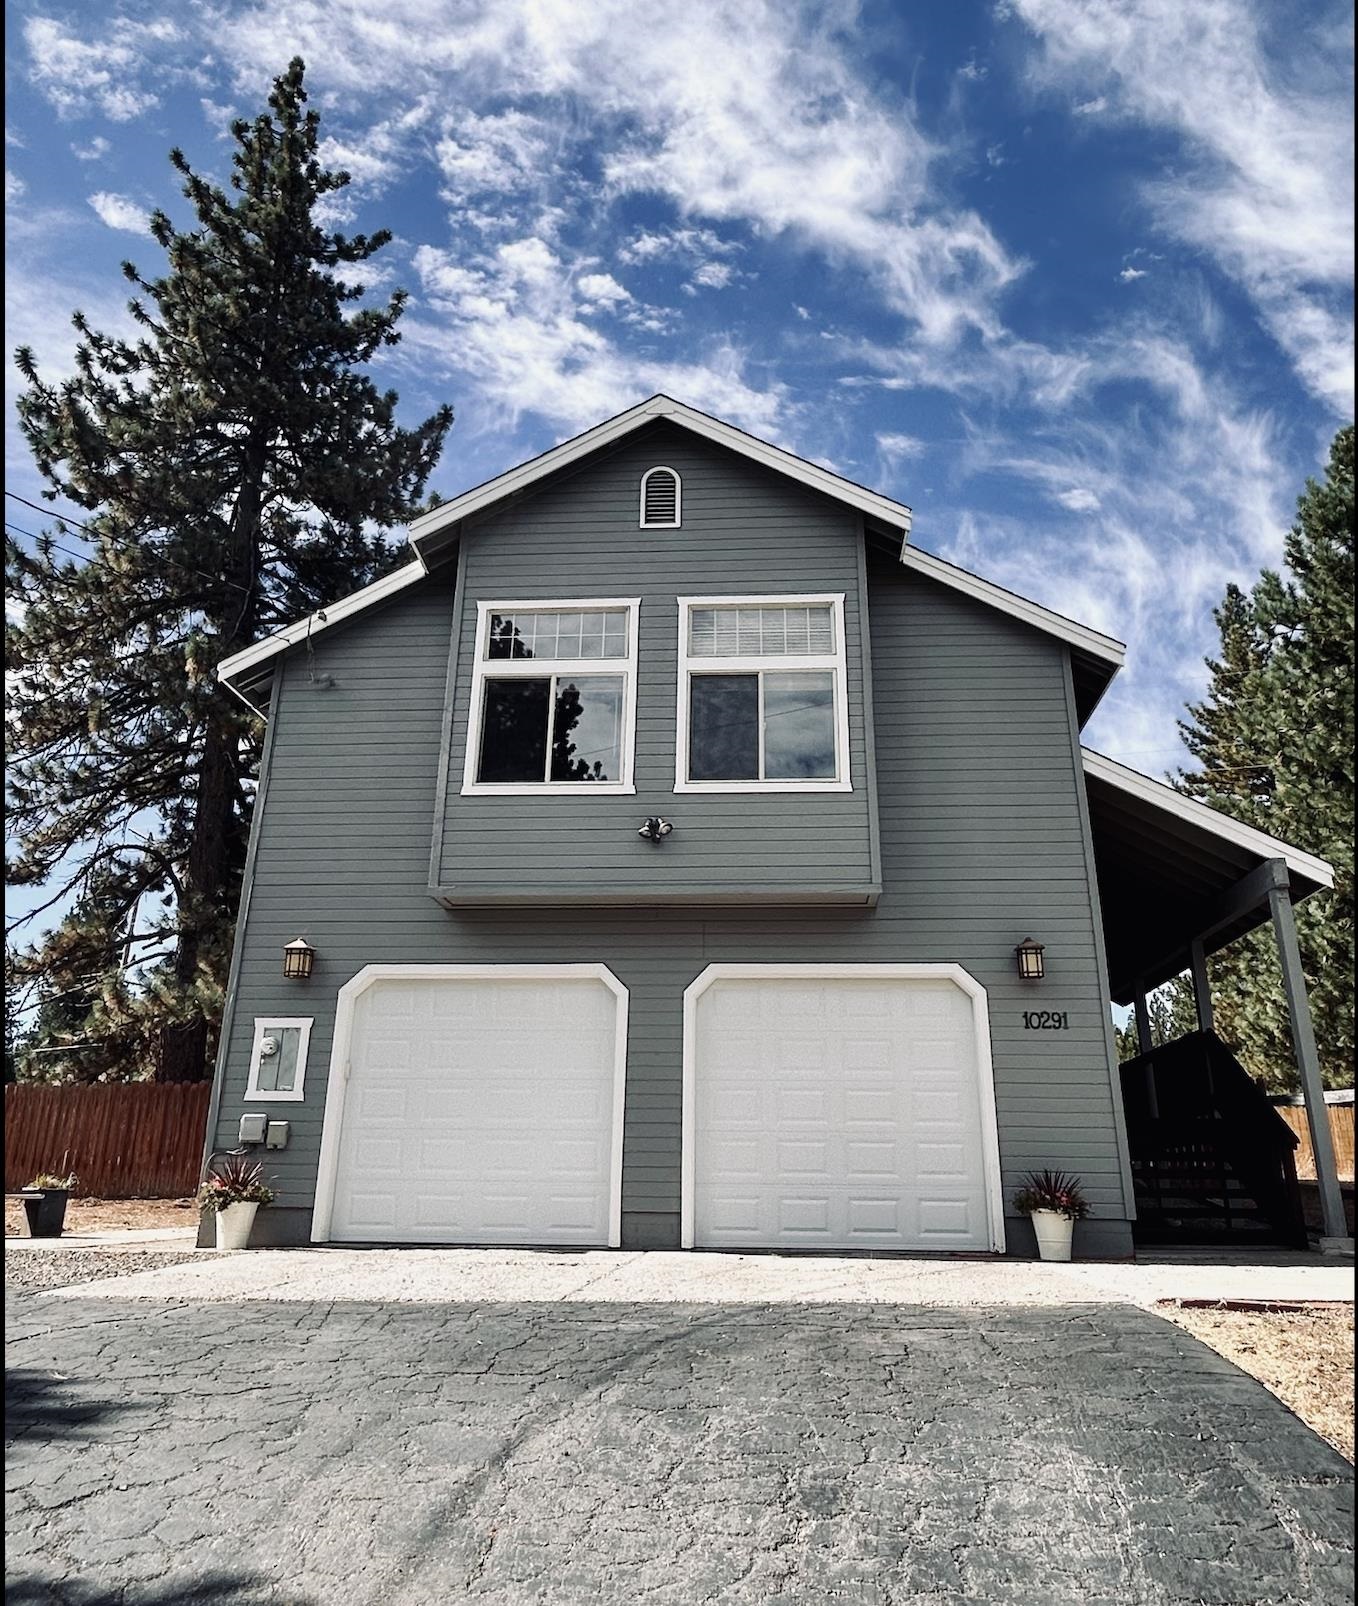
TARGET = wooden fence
x,y
124,1140
1341,1135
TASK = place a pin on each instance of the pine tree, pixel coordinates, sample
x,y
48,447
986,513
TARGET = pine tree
x,y
1173,1014
1275,739
237,465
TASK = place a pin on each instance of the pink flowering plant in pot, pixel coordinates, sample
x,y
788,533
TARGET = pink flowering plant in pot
x,y
1055,1201
234,1189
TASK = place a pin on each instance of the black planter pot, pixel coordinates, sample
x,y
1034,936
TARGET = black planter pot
x,y
46,1211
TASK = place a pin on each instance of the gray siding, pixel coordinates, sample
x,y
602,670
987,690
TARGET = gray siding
x,y
746,531
981,844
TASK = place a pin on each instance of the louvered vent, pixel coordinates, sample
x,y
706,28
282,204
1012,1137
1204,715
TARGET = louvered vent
x,y
660,497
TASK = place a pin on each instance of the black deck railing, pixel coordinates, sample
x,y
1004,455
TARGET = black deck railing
x,y
1212,1161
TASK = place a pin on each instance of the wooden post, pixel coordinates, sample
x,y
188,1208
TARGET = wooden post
x,y
1145,1043
1202,992
1308,1063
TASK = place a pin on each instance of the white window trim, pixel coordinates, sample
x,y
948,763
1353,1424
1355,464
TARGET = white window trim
x,y
327,1173
835,662
667,524
985,1069
533,668
264,1024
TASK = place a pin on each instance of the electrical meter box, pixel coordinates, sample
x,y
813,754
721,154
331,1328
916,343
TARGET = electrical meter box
x,y
277,1135
252,1128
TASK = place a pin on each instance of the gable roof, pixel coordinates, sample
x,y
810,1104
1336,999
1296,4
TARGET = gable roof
x,y
435,530
433,535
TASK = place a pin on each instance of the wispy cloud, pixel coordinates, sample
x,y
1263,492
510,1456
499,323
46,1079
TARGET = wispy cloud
x,y
14,187
96,74
1265,184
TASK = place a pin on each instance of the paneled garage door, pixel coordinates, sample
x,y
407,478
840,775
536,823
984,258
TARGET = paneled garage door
x,y
833,1112
481,1109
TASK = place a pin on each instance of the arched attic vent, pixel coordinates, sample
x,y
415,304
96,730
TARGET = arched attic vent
x,y
660,499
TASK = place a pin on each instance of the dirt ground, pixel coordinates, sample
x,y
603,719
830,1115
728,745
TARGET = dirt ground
x,y
102,1215
1303,1354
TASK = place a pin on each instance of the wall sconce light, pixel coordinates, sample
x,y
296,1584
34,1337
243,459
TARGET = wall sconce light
x,y
655,829
298,957
1029,955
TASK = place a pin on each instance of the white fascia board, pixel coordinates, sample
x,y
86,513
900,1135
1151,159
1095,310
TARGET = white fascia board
x,y
1158,795
518,479
1107,648
323,619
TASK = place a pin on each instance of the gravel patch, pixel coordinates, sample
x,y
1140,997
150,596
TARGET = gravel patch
x,y
35,1271
99,1215
1303,1356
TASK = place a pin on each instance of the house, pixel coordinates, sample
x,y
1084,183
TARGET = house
x,y
656,845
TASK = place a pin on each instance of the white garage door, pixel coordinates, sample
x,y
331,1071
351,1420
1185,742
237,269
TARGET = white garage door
x,y
480,1109
835,1113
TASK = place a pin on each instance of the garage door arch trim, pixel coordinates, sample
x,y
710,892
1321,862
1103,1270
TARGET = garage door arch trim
x,y
954,973
327,1175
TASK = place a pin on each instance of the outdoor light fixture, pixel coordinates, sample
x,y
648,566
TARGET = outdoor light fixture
x,y
655,829
1030,965
297,959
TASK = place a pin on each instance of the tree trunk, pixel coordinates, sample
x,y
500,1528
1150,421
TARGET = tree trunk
x,y
182,1054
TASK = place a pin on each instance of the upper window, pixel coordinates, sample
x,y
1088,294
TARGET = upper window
x,y
661,494
278,1058
553,697
762,698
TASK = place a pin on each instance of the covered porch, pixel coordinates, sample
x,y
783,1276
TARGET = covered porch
x,y
1177,882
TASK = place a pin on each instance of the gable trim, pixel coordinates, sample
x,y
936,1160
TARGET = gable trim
x,y
516,480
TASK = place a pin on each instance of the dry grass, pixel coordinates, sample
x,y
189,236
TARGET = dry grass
x,y
1304,1354
103,1215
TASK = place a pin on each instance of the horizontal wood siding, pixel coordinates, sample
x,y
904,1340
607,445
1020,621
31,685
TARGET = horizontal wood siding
x,y
133,1140
980,841
746,531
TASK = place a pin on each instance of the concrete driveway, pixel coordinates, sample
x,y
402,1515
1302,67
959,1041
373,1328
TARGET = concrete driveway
x,y
310,1453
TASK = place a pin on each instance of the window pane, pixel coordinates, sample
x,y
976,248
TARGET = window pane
x,y
514,730
761,632
587,729
557,634
723,737
799,727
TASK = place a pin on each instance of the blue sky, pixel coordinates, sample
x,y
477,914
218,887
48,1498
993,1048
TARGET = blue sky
x,y
1072,278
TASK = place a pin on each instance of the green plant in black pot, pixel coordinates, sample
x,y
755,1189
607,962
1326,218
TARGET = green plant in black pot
x,y
45,1203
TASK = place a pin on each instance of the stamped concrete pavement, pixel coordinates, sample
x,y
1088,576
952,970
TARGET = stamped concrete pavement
x,y
304,1454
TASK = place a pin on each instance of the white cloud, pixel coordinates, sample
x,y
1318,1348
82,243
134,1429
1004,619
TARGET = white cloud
x,y
1090,108
511,320
1129,275
95,151
119,212
897,448
14,187
502,153
603,289
1265,187
972,71
713,275
80,75
1078,500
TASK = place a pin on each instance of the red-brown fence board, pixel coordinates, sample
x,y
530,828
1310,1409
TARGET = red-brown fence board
x,y
124,1140
1341,1135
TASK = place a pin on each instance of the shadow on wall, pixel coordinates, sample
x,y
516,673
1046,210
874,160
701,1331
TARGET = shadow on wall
x,y
226,1589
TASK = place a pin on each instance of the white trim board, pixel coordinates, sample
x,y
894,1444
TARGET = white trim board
x,y
835,663
1147,790
985,1070
327,1172
296,1094
518,479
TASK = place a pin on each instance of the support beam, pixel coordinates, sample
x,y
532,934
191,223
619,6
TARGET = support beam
x,y
1145,1043
1308,1063
1202,990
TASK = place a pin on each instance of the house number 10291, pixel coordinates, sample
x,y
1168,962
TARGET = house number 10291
x,y
1045,1020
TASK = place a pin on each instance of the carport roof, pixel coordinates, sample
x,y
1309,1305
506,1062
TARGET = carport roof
x,y
1170,870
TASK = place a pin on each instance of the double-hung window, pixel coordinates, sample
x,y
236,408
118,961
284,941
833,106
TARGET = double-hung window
x,y
553,705
762,698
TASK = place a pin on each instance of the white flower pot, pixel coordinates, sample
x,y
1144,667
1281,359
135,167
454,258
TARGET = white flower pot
x,y
233,1225
1054,1233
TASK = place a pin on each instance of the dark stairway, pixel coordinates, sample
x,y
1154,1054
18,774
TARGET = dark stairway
x,y
1212,1160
